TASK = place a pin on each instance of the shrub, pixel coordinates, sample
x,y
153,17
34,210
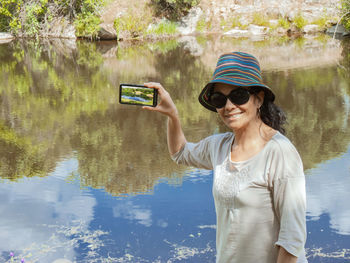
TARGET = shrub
x,y
345,7
135,25
201,24
282,22
30,17
87,25
8,10
260,20
164,28
299,21
173,9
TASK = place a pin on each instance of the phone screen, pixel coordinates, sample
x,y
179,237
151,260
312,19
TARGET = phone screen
x,y
137,95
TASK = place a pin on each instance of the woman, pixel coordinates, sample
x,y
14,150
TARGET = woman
x,y
259,184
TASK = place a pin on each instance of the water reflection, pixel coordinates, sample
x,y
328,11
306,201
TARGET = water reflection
x,y
56,99
59,119
42,215
327,188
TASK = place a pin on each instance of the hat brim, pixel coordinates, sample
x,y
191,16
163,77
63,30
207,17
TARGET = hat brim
x,y
204,95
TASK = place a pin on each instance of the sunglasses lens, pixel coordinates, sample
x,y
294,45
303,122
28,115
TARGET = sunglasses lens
x,y
218,100
239,96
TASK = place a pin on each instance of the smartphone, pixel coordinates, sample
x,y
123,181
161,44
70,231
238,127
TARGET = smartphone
x,y
133,94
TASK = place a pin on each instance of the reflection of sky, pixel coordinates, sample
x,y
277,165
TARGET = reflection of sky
x,y
328,193
174,223
33,209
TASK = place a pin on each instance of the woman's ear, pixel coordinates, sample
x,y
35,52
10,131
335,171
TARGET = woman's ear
x,y
260,97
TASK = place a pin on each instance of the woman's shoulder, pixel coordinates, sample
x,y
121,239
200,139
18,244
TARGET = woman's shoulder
x,y
284,150
218,139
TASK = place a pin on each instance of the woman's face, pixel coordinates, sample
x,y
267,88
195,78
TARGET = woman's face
x,y
237,117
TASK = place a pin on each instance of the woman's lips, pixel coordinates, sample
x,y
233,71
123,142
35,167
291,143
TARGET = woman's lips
x,y
234,115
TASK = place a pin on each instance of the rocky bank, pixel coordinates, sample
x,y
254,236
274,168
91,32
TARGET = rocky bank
x,y
237,18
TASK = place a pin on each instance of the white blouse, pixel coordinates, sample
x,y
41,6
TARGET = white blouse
x,y
260,203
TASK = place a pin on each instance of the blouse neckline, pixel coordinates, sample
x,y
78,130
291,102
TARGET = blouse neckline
x,y
240,163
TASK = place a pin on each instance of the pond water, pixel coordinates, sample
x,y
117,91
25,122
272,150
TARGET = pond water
x,y
86,179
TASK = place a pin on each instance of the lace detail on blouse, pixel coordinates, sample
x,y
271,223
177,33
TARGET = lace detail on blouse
x,y
229,181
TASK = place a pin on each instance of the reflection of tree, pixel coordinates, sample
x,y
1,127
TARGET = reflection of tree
x,y
313,101
122,150
53,104
344,68
41,93
18,157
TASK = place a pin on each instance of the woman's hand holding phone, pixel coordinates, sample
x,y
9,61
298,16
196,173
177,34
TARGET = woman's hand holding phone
x,y
175,136
166,105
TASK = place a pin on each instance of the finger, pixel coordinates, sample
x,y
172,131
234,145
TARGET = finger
x,y
149,108
154,85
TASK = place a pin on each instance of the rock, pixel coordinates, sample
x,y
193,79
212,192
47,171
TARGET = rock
x,y
273,22
311,29
236,32
258,30
5,37
61,28
294,31
190,44
189,23
107,32
68,32
244,21
338,30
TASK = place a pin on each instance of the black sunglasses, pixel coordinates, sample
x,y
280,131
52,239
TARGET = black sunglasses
x,y
237,96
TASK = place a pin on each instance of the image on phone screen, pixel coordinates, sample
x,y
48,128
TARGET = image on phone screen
x,y
137,95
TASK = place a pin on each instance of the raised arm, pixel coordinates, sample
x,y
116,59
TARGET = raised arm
x,y
175,136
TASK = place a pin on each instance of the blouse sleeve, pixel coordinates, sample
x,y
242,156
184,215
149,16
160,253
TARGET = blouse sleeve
x,y
196,154
290,200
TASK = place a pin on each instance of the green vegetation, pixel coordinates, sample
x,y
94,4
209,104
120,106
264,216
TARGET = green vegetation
x,y
321,22
232,22
345,6
165,27
134,25
260,19
299,21
137,96
31,17
201,24
283,22
173,9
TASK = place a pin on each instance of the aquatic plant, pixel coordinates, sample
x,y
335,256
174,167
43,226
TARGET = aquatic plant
x,y
12,255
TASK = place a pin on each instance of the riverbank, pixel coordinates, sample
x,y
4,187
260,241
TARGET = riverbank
x,y
124,20
257,19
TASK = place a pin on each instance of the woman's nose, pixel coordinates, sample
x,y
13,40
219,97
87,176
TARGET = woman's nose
x,y
229,105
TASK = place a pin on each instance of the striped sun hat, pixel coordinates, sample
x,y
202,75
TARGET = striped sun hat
x,y
238,69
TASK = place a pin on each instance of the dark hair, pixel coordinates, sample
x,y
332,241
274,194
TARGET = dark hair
x,y
270,113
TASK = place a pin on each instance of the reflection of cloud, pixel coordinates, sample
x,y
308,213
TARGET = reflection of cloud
x,y
162,223
328,192
320,253
130,211
33,210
